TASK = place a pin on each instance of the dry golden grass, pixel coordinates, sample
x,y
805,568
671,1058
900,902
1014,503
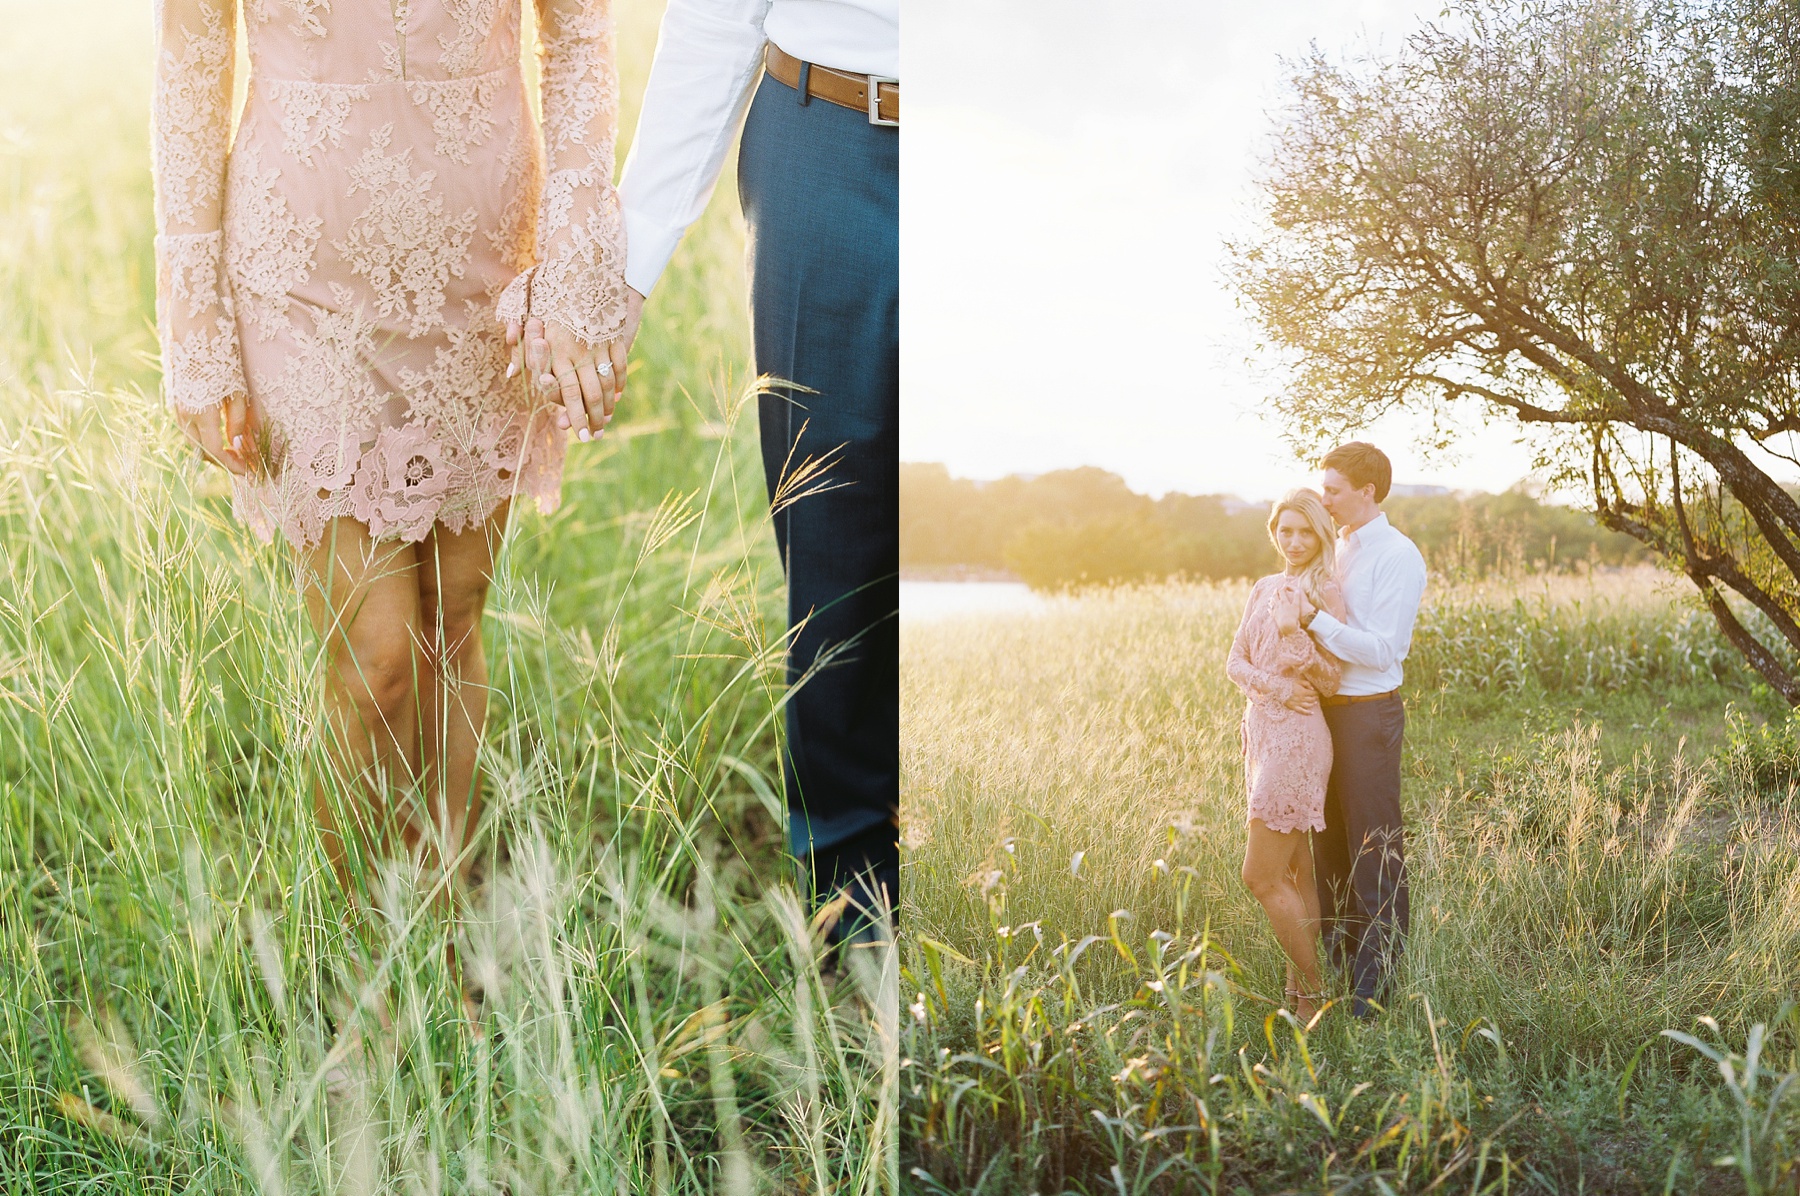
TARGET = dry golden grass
x,y
1596,856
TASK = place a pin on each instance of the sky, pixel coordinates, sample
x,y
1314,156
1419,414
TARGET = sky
x,y
1070,175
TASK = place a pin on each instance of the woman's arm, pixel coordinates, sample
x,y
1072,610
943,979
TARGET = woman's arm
x,y
1258,684
1323,671
203,368
577,287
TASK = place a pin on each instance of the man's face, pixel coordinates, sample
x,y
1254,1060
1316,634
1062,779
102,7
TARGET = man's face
x,y
1346,504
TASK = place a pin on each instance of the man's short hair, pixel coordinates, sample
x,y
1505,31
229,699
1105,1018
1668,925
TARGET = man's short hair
x,y
1363,464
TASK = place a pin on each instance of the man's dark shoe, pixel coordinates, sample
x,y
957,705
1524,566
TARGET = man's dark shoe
x,y
864,871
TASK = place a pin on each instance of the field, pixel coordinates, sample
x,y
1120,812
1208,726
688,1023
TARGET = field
x,y
1604,845
182,993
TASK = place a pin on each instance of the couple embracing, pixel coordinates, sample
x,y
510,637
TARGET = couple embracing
x,y
391,296
1318,656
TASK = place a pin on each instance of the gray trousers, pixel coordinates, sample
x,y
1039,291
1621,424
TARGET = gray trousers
x,y
1359,859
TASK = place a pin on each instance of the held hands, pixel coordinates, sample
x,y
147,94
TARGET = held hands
x,y
223,433
589,380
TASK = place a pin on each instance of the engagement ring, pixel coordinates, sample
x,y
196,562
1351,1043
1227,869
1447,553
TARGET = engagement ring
x,y
604,369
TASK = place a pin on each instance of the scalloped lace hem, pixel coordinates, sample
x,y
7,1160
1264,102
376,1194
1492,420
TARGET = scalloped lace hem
x,y
402,486
1286,820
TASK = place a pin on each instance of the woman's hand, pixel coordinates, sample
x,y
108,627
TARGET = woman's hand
x,y
588,379
223,434
1285,606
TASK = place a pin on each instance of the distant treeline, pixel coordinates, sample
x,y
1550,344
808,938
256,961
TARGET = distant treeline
x,y
1076,527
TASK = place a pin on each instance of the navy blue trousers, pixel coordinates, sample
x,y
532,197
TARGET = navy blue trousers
x,y
1359,859
819,187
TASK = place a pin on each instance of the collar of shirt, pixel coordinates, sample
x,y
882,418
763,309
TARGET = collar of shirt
x,y
1357,537
1350,541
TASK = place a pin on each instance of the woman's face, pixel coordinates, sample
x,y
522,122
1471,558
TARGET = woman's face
x,y
1296,538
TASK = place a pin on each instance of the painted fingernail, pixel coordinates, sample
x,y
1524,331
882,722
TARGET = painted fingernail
x,y
583,435
512,370
237,442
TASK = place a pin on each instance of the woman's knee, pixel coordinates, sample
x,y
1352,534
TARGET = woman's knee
x,y
380,677
455,628
1259,880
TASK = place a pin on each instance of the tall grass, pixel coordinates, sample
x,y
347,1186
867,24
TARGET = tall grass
x,y
188,1002
1597,856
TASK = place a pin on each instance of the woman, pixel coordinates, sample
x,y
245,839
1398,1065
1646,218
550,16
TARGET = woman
x,y
337,287
1287,746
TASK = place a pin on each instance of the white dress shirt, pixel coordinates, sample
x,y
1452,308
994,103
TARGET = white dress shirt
x,y
1383,578
708,55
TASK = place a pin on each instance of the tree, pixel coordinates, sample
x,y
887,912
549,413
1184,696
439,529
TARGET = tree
x,y
1581,215
1104,551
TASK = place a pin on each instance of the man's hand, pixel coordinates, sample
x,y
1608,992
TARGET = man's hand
x,y
634,315
1303,700
223,434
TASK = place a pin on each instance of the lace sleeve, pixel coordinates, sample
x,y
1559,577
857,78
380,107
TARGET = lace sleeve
x,y
191,118
1323,671
1258,684
1297,656
579,277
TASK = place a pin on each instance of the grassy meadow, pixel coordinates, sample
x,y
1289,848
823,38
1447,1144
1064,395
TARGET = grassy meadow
x,y
184,1003
1603,843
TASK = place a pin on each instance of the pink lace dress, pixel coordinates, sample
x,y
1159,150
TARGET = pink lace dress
x,y
1287,755
346,258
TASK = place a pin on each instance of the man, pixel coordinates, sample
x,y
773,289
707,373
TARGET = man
x,y
818,176
1359,859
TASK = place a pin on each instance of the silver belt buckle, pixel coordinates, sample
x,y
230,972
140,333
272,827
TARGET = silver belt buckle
x,y
875,82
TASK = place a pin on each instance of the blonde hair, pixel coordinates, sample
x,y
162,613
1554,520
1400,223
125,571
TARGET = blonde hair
x,y
1323,567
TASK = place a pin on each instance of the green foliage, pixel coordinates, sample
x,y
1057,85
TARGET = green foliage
x,y
1768,1143
1524,640
1093,999
1575,218
1084,527
1763,755
188,1000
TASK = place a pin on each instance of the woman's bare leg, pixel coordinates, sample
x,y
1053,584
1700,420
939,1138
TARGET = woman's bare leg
x,y
363,599
1270,865
1308,885
455,570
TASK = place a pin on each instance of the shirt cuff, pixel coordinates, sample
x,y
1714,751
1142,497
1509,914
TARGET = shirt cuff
x,y
1323,624
648,248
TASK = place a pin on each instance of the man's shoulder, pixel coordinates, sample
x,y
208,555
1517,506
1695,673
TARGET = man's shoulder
x,y
1401,547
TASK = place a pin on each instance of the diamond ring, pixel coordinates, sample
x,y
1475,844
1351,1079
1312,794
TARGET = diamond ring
x,y
604,369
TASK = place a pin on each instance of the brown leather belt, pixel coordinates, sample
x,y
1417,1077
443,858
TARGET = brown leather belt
x,y
876,95
1348,699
